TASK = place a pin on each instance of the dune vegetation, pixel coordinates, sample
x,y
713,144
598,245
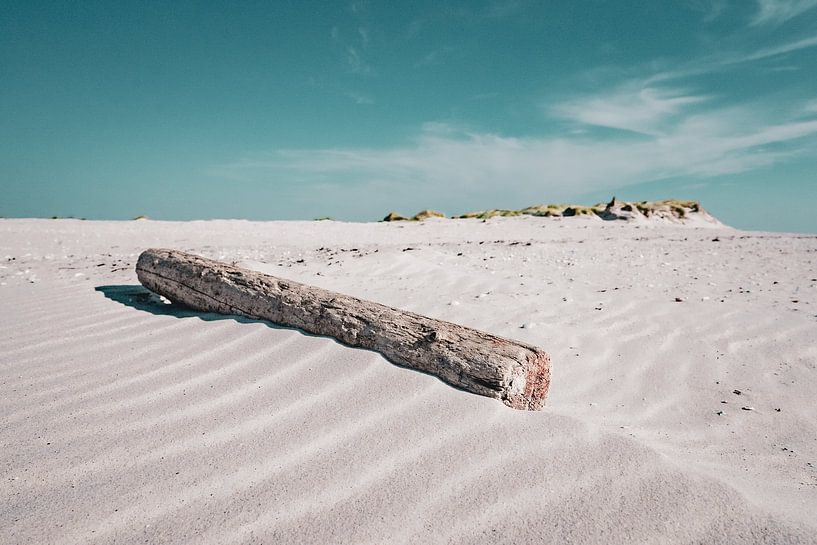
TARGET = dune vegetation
x,y
419,216
670,209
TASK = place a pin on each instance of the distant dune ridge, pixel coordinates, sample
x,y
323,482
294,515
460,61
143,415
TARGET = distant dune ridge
x,y
670,210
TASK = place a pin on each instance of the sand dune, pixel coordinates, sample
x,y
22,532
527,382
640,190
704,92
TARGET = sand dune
x,y
127,420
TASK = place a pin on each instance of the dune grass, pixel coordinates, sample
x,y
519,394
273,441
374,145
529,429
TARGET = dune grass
x,y
419,216
677,208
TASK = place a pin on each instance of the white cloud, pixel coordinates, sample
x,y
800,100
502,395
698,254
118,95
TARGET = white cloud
x,y
778,50
775,12
631,107
445,165
722,61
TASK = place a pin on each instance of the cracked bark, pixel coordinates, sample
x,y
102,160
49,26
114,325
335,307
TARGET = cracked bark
x,y
513,372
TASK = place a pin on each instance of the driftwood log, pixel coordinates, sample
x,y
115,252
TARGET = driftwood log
x,y
513,372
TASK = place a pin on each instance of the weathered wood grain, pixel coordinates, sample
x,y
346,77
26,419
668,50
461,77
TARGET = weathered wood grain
x,y
513,372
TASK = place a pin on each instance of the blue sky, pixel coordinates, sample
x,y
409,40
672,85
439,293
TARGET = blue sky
x,y
293,110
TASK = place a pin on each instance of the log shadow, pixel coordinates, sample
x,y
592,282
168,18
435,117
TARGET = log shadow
x,y
141,298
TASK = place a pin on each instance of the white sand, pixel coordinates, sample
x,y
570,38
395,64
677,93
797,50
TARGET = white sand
x,y
127,421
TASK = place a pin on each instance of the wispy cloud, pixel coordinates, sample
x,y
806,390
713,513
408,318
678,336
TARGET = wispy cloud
x,y
353,45
775,12
632,107
447,163
781,49
355,62
360,98
722,61
434,57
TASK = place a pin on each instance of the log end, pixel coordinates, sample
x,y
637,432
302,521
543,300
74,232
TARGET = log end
x,y
529,390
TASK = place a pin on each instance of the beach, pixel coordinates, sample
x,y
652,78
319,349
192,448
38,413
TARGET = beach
x,y
681,408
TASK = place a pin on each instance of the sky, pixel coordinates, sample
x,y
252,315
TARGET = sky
x,y
297,110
